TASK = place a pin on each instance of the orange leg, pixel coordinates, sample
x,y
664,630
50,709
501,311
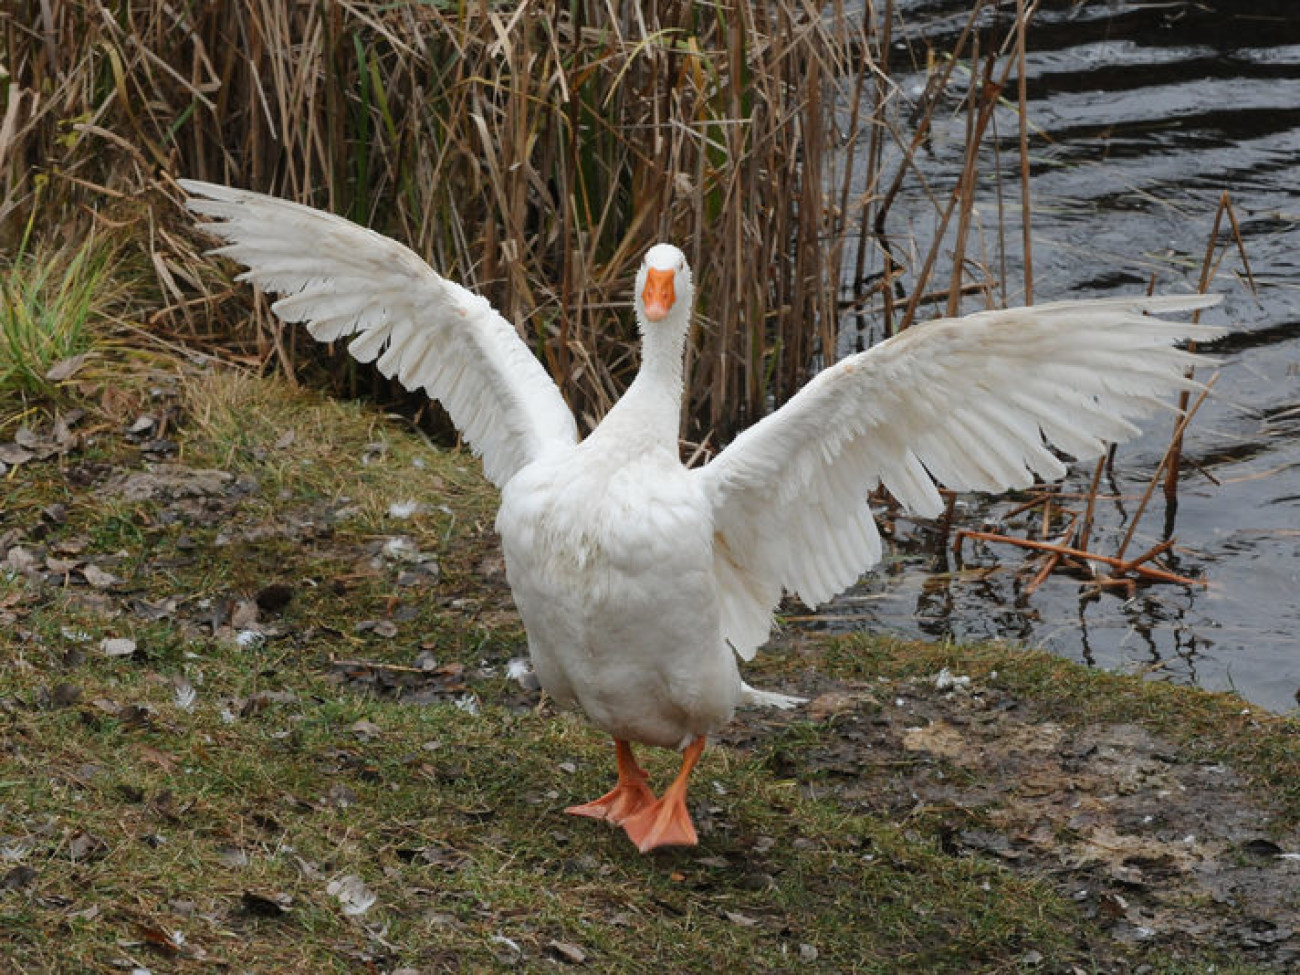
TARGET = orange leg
x,y
666,822
629,797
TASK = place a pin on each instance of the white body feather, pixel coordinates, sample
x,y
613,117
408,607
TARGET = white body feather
x,y
639,581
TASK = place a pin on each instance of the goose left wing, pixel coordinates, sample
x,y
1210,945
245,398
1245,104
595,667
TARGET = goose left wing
x,y
971,403
346,281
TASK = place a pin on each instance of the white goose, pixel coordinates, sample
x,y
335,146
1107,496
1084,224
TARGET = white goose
x,y
640,581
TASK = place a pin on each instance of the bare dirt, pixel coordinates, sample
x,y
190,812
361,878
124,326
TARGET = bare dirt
x,y
1154,845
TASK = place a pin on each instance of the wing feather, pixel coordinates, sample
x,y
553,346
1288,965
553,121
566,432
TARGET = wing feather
x,y
347,282
972,403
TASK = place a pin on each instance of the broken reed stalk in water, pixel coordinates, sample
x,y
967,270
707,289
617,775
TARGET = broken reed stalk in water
x,y
1208,266
1122,566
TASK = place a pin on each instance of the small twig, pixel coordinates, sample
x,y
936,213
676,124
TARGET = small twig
x,y
1118,564
376,665
1053,560
1086,529
1146,556
1155,478
1049,566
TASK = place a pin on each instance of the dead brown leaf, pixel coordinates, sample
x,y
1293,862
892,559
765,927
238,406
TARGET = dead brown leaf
x,y
98,578
19,878
567,952
159,939
66,368
835,702
158,757
267,905
14,455
86,846
938,738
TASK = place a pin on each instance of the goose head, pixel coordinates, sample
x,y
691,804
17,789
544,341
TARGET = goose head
x,y
663,288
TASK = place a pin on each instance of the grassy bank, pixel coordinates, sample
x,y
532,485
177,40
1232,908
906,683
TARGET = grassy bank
x,y
256,712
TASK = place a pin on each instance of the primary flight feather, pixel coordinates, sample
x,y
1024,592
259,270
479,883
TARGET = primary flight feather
x,y
641,581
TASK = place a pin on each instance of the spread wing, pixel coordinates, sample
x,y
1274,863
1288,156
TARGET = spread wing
x,y
346,281
971,403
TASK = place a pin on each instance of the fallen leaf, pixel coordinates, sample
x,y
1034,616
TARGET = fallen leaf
x,y
66,368
154,610
98,578
162,759
117,647
40,447
341,796
365,729
13,454
567,952
20,559
267,905
159,938
136,715
836,702
86,846
18,878
937,738
244,616
172,481
70,546
744,920
352,894
64,695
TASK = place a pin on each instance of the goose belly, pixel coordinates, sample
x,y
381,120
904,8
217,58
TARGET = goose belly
x,y
613,577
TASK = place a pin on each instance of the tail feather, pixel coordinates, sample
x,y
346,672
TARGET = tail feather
x,y
752,697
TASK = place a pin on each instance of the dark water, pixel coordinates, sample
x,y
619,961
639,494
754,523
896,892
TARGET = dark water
x,y
1144,115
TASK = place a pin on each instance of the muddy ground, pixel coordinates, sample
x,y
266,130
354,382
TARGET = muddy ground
x,y
1152,843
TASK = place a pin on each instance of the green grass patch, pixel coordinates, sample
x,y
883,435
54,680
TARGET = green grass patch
x,y
52,303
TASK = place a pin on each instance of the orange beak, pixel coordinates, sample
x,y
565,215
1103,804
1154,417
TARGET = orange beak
x,y
658,295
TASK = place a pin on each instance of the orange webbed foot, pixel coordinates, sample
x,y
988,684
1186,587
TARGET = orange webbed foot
x,y
667,822
629,798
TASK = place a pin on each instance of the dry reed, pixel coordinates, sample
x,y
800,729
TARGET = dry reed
x,y
531,151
